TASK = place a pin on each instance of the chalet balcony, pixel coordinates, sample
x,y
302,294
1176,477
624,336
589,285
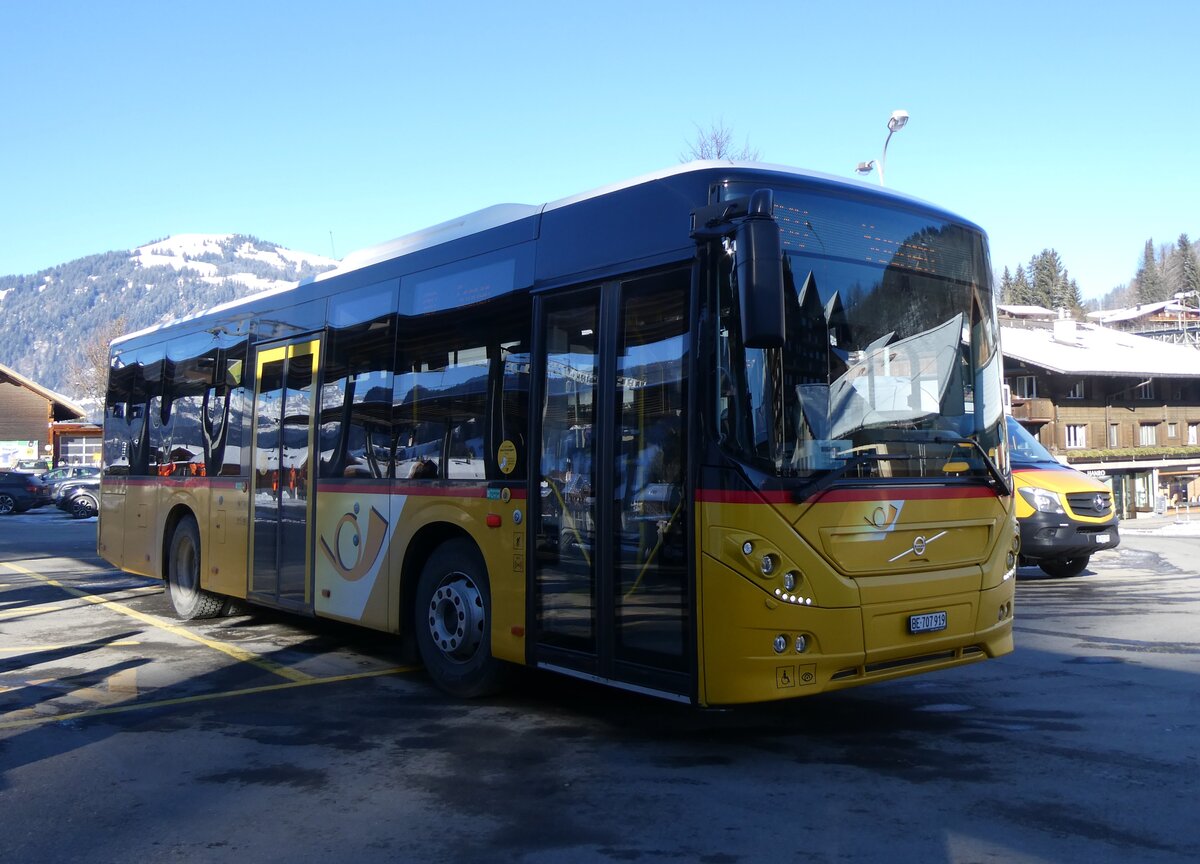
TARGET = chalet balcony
x,y
1033,410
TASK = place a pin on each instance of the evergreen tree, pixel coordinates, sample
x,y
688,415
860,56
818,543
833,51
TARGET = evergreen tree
x,y
1149,284
1051,285
1189,267
1006,288
1022,291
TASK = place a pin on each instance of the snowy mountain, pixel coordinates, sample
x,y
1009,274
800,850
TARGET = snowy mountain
x,y
50,317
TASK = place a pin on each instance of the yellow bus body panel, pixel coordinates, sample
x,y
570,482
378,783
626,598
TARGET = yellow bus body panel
x,y
862,566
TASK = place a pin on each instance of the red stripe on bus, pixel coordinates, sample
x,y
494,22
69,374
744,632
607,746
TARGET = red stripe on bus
x,y
378,487
844,496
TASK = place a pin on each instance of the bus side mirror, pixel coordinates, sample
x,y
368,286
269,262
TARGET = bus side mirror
x,y
760,274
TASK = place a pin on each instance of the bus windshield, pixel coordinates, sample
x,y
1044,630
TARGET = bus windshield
x,y
890,367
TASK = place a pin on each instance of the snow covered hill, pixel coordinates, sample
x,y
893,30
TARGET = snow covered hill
x,y
47,318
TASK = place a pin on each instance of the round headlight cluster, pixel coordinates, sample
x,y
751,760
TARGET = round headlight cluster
x,y
789,582
782,642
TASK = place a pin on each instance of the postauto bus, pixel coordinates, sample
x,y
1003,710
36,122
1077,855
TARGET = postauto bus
x,y
725,433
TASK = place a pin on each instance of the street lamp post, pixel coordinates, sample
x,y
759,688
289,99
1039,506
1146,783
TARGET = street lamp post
x,y
895,124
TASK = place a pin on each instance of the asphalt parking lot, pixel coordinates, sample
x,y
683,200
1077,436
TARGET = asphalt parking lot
x,y
126,735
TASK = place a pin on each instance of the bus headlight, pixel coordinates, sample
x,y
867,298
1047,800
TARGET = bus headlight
x,y
789,580
781,643
1042,500
769,563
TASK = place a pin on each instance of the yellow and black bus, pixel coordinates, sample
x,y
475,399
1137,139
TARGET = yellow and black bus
x,y
722,434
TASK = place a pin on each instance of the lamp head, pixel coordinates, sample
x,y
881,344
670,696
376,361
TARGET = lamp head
x,y
897,120
865,167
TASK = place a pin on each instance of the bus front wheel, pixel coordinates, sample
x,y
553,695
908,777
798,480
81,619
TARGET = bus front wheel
x,y
183,575
453,622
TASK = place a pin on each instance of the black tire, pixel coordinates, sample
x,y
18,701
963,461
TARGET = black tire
x,y
83,507
8,505
1063,567
183,575
453,622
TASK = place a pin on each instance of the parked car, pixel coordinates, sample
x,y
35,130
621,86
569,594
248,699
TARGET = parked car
x,y
1063,514
55,477
80,497
31,466
19,492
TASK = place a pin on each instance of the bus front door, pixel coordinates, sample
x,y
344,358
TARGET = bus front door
x,y
281,495
611,587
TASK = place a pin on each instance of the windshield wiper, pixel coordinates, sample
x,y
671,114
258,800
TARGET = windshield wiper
x,y
852,460
1001,480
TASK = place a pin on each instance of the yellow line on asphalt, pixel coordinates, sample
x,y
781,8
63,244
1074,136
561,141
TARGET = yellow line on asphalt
x,y
22,611
120,643
233,651
203,697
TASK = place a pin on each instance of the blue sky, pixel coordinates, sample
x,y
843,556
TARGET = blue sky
x,y
333,126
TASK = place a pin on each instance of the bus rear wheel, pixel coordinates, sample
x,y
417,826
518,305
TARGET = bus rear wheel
x,y
1063,567
183,575
453,622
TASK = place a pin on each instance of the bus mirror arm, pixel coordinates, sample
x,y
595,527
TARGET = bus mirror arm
x,y
759,262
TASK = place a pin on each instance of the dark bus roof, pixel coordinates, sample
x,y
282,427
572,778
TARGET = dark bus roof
x,y
635,224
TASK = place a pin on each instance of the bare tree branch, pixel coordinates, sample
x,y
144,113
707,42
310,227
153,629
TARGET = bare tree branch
x,y
716,142
87,375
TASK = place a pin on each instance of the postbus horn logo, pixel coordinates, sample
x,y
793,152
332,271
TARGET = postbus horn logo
x,y
364,551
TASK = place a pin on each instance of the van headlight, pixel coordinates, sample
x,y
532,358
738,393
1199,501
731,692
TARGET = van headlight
x,y
1042,500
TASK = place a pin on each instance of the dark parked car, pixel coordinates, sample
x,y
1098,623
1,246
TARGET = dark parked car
x,y
19,492
55,477
80,497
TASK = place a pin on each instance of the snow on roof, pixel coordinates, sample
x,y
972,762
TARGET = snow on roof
x,y
1133,312
1026,311
1088,349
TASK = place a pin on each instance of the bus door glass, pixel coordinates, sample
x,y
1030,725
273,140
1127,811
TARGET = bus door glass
x,y
611,586
283,442
565,568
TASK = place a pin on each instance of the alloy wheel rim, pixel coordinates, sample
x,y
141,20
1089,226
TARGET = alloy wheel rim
x,y
456,617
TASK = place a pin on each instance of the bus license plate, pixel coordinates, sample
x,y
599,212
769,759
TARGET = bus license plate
x,y
1101,538
930,622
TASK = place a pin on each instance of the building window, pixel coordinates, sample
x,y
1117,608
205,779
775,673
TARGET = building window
x,y
1025,387
1076,435
1194,433
1075,391
1172,430
1148,433
1145,390
1114,434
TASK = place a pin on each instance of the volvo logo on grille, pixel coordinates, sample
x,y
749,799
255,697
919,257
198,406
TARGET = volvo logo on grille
x,y
919,544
